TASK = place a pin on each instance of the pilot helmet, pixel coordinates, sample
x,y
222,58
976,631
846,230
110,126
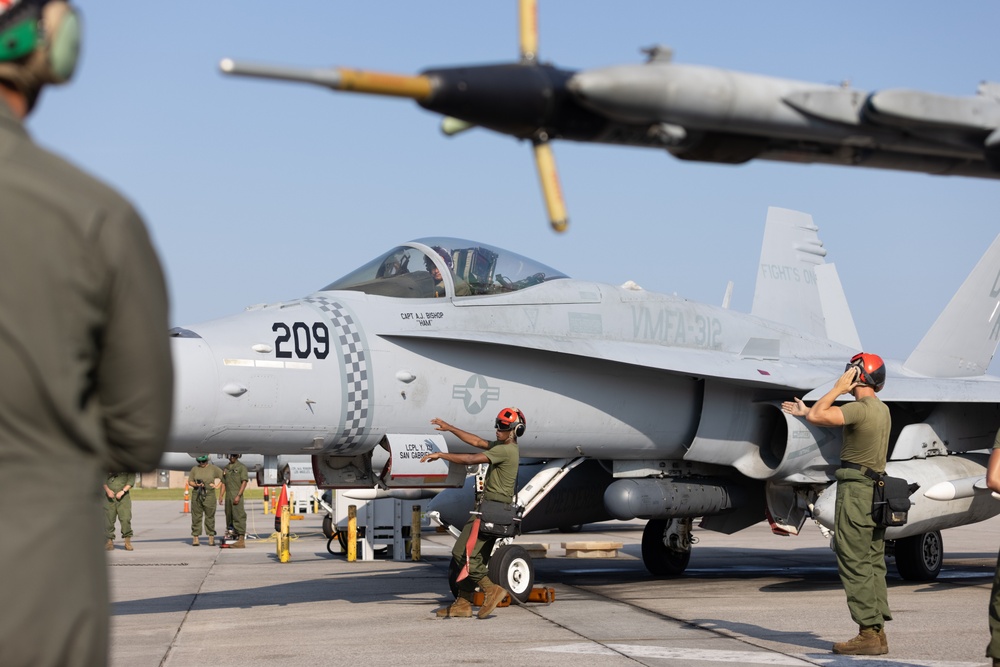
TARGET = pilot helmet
x,y
511,418
445,255
202,459
871,367
39,44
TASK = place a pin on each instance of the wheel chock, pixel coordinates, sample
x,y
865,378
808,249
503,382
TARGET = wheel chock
x,y
537,594
542,594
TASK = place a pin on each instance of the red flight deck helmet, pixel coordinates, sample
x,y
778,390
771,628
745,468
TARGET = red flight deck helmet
x,y
511,418
871,367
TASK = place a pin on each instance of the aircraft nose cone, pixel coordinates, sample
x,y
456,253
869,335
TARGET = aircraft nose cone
x,y
196,390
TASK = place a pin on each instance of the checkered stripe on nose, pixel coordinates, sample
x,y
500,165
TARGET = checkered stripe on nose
x,y
354,363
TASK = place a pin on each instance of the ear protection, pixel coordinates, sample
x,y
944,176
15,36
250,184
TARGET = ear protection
x,y
512,416
39,44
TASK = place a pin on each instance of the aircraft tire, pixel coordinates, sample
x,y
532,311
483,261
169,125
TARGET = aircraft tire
x,y
919,557
659,559
328,530
511,567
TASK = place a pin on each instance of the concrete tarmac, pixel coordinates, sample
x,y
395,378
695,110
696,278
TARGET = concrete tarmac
x,y
746,599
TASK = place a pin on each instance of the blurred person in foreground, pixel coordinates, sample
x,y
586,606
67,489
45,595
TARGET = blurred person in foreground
x,y
84,356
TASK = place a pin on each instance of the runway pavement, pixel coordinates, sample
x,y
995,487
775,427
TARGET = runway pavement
x,y
746,599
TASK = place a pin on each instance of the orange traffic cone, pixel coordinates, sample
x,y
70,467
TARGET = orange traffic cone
x,y
187,501
282,502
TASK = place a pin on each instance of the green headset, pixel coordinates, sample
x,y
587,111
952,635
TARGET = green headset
x,y
39,43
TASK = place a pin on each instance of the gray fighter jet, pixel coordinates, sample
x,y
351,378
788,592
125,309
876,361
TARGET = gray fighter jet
x,y
693,112
676,403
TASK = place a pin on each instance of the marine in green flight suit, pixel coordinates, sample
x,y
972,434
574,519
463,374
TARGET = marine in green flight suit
x,y
235,479
203,479
118,506
84,357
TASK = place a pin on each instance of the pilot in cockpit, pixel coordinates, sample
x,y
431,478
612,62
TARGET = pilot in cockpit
x,y
461,287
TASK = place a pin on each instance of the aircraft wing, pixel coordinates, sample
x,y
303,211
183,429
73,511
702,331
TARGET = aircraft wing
x,y
903,389
744,369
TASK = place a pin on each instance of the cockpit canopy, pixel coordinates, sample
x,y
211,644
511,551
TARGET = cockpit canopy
x,y
441,266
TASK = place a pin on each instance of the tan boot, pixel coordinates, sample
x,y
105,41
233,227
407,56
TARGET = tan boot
x,y
128,544
460,608
211,540
240,542
866,643
109,545
883,642
194,541
493,595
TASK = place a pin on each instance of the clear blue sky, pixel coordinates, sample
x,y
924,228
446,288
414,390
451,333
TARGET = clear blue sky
x,y
260,191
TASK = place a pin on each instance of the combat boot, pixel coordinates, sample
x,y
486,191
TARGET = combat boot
x,y
866,643
211,540
128,544
460,608
109,545
883,642
493,595
194,541
240,542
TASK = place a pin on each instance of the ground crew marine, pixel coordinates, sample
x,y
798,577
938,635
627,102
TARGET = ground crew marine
x,y
471,554
993,482
204,479
858,542
235,478
118,504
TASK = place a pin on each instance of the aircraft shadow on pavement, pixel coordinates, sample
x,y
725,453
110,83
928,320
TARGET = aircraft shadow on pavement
x,y
420,586
799,643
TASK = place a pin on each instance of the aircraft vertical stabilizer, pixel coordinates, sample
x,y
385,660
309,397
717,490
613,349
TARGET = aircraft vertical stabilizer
x,y
837,314
963,339
786,291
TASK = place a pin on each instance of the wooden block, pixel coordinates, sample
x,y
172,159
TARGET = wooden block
x,y
535,550
591,549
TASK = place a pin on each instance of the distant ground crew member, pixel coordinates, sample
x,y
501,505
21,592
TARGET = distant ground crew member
x,y
87,380
235,478
204,479
858,542
993,481
119,505
500,485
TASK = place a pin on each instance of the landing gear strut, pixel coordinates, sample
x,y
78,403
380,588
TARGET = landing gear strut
x,y
666,546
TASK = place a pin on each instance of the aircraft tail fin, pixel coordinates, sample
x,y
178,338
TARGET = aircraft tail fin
x,y
836,313
786,290
963,339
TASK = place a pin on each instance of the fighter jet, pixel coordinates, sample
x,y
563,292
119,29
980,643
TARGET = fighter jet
x,y
693,112
677,402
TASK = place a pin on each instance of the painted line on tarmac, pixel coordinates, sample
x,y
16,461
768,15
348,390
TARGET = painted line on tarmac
x,y
741,657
